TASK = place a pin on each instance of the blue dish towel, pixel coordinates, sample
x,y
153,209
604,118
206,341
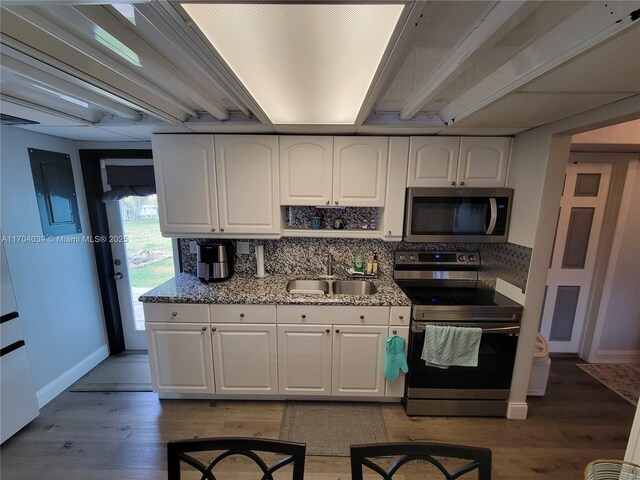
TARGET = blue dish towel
x,y
446,346
396,359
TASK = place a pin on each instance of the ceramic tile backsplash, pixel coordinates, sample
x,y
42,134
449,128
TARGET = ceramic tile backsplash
x,y
307,256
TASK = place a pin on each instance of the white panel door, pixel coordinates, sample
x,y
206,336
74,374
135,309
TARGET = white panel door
x,y
395,388
304,359
180,357
483,161
248,184
306,170
245,358
186,183
360,171
358,360
582,206
433,161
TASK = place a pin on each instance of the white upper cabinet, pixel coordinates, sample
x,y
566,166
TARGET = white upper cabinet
x,y
433,161
393,216
483,161
248,184
186,183
458,162
360,171
306,169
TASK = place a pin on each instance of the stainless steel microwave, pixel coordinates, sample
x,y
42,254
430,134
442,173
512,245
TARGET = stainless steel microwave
x,y
477,215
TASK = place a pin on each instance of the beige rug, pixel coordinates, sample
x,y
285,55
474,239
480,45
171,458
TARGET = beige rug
x,y
127,372
329,428
622,378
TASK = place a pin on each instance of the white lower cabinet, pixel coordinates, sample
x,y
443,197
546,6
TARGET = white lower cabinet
x,y
180,357
304,359
358,360
245,358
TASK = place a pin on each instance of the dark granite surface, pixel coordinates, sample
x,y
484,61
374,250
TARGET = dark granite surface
x,y
245,289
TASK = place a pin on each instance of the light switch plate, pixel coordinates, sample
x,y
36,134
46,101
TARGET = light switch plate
x,y
244,248
193,247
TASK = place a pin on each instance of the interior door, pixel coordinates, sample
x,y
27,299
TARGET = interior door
x,y
580,218
142,257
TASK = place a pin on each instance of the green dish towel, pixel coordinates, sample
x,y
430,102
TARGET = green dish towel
x,y
446,346
396,359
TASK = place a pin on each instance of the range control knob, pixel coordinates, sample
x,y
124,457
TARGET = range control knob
x,y
472,258
462,258
412,258
402,258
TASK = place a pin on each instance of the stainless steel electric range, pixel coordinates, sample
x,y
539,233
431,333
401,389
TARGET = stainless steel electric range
x,y
444,289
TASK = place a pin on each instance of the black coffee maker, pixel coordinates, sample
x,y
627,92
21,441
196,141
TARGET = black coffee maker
x,y
215,260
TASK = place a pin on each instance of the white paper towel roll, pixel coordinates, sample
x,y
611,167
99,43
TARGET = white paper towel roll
x,y
259,261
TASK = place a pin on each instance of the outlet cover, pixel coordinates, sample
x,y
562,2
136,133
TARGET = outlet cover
x,y
193,247
244,248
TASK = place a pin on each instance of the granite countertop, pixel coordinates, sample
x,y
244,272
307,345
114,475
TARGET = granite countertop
x,y
246,289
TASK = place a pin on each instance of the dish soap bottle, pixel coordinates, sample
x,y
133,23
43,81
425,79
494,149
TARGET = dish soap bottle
x,y
374,264
358,262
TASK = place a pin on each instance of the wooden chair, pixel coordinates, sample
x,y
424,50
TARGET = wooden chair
x,y
479,458
178,451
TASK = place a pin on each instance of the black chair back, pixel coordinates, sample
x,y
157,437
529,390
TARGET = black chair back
x,y
479,458
178,451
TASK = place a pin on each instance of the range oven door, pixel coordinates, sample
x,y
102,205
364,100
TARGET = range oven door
x,y
490,380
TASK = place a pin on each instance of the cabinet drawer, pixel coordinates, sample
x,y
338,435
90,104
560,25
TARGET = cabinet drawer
x,y
344,315
243,313
400,316
176,312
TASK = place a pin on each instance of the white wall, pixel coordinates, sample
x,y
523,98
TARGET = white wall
x,y
617,334
55,284
536,172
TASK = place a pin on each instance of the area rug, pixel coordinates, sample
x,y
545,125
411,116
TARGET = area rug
x,y
127,372
329,428
622,378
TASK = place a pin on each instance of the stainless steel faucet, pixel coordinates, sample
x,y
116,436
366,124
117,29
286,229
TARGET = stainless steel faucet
x,y
330,264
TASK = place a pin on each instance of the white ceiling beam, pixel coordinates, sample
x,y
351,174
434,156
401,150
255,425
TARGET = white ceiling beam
x,y
393,56
165,28
56,83
592,24
99,85
44,109
101,17
183,24
503,14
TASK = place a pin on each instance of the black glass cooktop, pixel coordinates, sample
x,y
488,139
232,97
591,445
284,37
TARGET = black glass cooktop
x,y
456,296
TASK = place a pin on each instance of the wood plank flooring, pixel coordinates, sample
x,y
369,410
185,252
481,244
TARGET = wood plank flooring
x,y
101,436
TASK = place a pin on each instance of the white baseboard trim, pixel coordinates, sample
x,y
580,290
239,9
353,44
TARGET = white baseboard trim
x,y
64,381
517,410
616,356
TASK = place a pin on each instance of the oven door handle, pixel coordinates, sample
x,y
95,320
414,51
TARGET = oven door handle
x,y
494,216
486,328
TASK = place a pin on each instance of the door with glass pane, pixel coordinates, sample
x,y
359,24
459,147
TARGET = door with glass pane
x,y
582,206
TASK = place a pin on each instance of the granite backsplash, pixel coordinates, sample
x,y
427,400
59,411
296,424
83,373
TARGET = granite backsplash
x,y
304,256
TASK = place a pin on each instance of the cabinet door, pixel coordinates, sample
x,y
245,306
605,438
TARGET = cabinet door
x,y
306,166
395,388
248,178
358,360
180,357
186,182
304,359
360,171
396,189
483,161
433,161
245,358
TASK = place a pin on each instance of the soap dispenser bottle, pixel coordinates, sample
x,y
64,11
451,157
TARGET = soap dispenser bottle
x,y
374,264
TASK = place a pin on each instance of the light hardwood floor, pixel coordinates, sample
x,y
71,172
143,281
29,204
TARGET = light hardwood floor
x,y
122,435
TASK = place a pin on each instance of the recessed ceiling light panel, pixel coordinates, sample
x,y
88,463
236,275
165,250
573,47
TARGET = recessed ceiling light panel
x,y
303,63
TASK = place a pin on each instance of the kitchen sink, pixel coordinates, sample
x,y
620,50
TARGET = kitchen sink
x,y
338,287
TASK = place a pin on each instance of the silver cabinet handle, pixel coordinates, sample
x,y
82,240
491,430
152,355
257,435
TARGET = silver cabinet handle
x,y
118,276
303,316
174,314
453,184
204,329
213,229
337,330
213,329
328,330
222,229
389,232
401,317
462,184
241,315
336,202
395,332
328,202
361,317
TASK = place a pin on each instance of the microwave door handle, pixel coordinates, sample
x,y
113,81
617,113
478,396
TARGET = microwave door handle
x,y
494,215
